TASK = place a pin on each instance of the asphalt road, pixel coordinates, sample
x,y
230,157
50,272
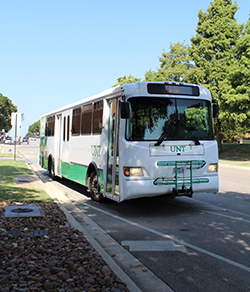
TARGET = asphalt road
x,y
192,244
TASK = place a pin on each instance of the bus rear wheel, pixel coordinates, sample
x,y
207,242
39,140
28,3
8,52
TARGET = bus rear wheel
x,y
51,169
95,193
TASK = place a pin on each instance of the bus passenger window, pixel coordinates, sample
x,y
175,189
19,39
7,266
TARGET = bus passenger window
x,y
86,119
50,126
97,117
76,121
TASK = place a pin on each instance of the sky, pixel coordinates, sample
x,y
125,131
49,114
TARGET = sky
x,y
55,52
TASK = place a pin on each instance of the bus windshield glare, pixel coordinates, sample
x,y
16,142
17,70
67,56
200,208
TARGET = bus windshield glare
x,y
176,119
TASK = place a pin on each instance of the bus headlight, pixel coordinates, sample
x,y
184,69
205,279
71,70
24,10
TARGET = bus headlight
x,y
213,167
132,171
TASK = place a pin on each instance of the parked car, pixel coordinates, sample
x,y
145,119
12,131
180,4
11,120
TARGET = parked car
x,y
33,138
25,139
8,140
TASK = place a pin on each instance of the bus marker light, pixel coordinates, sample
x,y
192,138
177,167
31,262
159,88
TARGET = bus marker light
x,y
126,171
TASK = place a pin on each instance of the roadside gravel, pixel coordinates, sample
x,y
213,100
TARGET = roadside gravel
x,y
58,258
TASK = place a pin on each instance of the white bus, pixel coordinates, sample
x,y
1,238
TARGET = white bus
x,y
137,140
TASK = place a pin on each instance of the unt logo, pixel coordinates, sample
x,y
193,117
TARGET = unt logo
x,y
96,150
177,149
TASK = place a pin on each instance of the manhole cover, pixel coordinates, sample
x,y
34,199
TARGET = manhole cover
x,y
22,210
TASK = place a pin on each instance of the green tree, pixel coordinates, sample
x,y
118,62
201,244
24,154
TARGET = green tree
x,y
211,49
235,96
6,108
151,76
175,65
34,129
126,79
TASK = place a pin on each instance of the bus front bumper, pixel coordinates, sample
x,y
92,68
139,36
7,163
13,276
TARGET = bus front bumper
x,y
133,189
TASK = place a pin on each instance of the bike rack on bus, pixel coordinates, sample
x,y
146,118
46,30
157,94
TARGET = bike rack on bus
x,y
183,186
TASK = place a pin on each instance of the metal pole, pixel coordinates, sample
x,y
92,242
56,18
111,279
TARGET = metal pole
x,y
15,138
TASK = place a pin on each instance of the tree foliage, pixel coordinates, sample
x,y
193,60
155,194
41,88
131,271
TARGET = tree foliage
x,y
217,33
211,49
126,79
6,108
235,90
175,65
34,129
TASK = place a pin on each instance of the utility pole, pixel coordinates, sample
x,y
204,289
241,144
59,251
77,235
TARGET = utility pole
x,y
16,119
15,140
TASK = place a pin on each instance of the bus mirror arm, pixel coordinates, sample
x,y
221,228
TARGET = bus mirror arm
x,y
125,110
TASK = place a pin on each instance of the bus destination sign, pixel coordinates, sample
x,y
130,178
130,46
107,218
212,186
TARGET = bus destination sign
x,y
173,89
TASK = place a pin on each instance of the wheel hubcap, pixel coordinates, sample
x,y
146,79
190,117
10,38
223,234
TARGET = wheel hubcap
x,y
95,185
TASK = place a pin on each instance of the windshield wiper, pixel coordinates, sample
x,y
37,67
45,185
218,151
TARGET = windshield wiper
x,y
164,134
172,126
197,142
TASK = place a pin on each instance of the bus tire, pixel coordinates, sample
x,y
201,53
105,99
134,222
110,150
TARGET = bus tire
x,y
51,169
94,187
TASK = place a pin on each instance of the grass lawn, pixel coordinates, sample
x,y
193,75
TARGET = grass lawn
x,y
238,154
10,191
9,155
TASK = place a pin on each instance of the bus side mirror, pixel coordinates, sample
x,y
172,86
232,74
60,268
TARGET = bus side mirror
x,y
215,109
125,110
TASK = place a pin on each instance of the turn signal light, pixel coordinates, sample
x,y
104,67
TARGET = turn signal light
x,y
132,171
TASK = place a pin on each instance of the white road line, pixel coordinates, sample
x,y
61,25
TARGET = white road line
x,y
166,236
202,207
228,216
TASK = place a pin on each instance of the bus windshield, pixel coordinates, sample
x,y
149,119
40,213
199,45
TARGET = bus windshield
x,y
154,118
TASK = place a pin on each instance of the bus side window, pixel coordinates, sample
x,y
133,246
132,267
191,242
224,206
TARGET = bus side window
x,y
97,117
86,119
50,125
76,121
46,129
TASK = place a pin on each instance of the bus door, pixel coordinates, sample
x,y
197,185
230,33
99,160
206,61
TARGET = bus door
x,y
57,155
112,186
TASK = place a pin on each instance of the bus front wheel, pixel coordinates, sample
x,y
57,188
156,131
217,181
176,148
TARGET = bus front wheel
x,y
95,193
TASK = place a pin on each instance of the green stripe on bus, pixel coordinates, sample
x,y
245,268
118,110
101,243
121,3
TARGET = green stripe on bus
x,y
78,173
74,172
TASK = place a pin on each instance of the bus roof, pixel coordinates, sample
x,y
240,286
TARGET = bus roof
x,y
129,89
